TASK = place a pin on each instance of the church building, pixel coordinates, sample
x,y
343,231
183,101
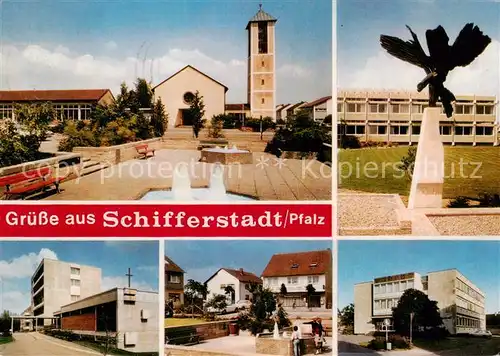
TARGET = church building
x,y
177,91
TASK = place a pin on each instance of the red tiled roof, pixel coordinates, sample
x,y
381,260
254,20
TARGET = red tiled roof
x,y
317,102
298,264
171,266
242,275
52,95
237,107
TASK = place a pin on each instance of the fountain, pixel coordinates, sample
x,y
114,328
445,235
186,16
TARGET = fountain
x,y
181,184
276,332
182,190
226,155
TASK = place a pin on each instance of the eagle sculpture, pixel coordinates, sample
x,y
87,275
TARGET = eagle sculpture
x,y
442,58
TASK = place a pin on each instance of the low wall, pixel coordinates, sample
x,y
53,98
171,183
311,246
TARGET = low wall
x,y
116,154
266,344
189,351
56,162
206,331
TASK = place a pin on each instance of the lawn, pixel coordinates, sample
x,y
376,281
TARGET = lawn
x,y
469,171
183,321
461,346
6,339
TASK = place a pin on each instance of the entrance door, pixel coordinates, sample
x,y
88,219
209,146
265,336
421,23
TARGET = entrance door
x,y
315,301
187,119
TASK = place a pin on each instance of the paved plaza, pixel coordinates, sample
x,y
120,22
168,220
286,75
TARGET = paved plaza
x,y
267,179
35,344
234,345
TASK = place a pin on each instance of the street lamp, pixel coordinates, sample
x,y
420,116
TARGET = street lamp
x,y
412,314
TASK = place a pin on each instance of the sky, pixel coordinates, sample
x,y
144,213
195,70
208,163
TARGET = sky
x,y
363,64
362,261
201,259
19,259
60,44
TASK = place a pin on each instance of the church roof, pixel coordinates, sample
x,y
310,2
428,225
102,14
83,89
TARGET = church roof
x,y
196,70
261,16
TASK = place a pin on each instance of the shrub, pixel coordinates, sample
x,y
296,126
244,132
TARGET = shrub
x,y
75,137
489,200
215,129
376,344
159,119
350,142
459,202
408,161
399,342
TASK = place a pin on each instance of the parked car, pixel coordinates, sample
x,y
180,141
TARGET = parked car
x,y
481,333
243,305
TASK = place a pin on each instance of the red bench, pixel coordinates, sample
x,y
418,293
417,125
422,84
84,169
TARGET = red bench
x,y
145,151
26,183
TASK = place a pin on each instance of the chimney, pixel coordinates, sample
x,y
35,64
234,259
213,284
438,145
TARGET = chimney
x,y
241,271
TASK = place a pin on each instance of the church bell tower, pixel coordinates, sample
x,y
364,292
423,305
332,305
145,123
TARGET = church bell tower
x,y
262,65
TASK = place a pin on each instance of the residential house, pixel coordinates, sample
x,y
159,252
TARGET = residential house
x,y
319,108
239,279
296,271
174,282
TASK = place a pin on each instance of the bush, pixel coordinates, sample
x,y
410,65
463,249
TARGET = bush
x,y
459,202
438,333
216,125
408,162
489,200
376,344
16,148
350,142
75,137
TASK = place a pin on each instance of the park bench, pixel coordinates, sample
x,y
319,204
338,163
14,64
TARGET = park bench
x,y
27,183
182,337
144,151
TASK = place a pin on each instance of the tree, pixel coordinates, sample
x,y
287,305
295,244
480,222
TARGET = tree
x,y
426,312
194,289
310,291
218,303
35,119
159,119
283,320
408,161
346,317
143,94
263,302
229,290
216,126
283,290
197,112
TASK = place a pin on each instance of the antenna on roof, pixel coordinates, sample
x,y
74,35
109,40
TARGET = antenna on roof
x,y
260,6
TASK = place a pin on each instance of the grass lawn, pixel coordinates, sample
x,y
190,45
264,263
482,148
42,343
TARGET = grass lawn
x,y
469,171
6,339
461,346
183,321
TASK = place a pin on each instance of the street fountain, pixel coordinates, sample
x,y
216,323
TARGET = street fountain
x,y
183,191
226,155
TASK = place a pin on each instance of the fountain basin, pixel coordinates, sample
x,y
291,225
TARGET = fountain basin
x,y
197,194
268,345
226,156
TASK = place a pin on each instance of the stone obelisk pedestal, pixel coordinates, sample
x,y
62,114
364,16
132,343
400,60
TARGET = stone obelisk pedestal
x,y
428,174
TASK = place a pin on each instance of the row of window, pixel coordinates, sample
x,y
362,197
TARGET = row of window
x,y
75,271
393,287
383,304
174,278
294,280
75,298
382,108
469,306
75,282
468,290
468,323
404,130
63,111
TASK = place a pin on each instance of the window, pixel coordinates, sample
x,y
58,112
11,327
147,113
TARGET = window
x,y
174,279
293,280
484,109
403,285
410,284
463,109
445,130
312,279
399,130
188,97
484,131
382,288
340,107
415,129
295,265
313,265
262,82
463,130
75,282
381,130
389,288
262,100
355,129
75,271
75,298
378,108
356,107
5,112
262,37
262,64
416,108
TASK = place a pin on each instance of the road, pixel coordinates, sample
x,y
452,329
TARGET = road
x,y
35,344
